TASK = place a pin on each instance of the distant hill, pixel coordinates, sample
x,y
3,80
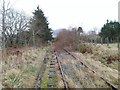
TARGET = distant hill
x,y
56,32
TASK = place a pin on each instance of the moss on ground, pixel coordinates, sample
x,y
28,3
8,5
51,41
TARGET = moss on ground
x,y
45,78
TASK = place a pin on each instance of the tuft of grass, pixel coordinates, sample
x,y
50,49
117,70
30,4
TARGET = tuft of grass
x,y
13,79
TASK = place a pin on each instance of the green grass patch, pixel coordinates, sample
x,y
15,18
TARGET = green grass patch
x,y
30,69
45,78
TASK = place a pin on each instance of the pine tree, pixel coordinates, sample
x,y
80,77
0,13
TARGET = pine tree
x,y
39,27
110,30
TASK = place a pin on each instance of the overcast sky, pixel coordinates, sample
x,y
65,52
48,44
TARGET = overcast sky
x,y
88,14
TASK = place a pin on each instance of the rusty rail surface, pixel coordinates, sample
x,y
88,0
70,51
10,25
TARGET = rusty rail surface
x,y
70,53
62,74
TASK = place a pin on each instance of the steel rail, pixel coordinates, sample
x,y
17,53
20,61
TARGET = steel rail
x,y
107,82
62,74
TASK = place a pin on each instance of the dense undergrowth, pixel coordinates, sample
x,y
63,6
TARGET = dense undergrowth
x,y
108,55
20,71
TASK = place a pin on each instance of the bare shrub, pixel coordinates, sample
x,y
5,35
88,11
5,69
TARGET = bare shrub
x,y
66,40
72,40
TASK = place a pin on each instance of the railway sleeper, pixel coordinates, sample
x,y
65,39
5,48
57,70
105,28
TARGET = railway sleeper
x,y
52,63
53,71
54,58
51,75
51,84
52,66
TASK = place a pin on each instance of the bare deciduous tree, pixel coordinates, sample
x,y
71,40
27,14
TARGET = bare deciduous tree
x,y
12,26
16,24
5,6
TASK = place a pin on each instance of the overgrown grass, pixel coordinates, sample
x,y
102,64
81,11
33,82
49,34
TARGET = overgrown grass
x,y
98,61
102,52
22,72
13,79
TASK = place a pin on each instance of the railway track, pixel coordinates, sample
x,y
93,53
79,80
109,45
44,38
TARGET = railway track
x,y
42,70
113,87
62,73
50,64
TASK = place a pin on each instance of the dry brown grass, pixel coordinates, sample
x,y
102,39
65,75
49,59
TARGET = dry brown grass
x,y
108,55
85,48
99,67
22,70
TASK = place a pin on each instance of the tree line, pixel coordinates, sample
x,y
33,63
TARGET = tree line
x,y
18,29
110,31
